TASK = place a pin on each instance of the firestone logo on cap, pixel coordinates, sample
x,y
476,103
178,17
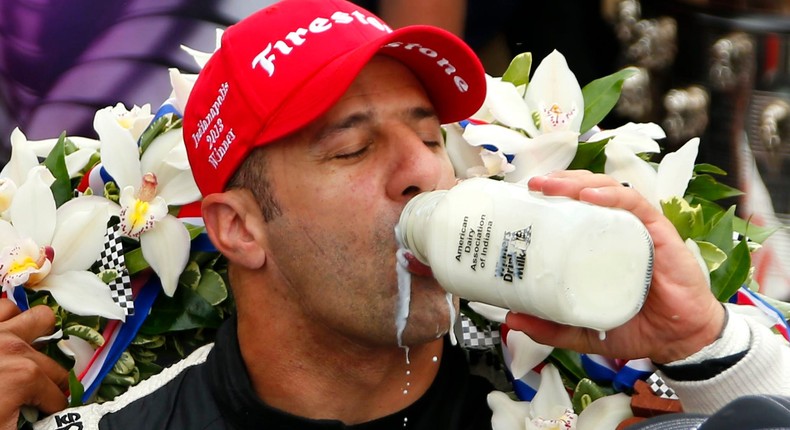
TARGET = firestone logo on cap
x,y
265,59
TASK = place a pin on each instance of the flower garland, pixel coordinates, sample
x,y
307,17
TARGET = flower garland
x,y
107,233
533,125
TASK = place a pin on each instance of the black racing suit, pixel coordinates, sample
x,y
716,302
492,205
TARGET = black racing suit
x,y
211,390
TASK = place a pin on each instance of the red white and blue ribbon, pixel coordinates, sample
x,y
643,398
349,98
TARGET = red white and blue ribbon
x,y
745,296
622,374
118,335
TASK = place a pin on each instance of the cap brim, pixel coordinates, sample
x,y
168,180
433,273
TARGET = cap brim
x,y
319,93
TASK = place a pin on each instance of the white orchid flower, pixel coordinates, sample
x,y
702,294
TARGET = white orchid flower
x,y
550,113
182,84
552,408
148,184
638,137
471,161
75,162
656,185
43,248
522,353
554,97
79,350
200,57
23,159
504,104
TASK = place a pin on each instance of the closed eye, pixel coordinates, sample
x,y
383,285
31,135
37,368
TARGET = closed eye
x,y
352,155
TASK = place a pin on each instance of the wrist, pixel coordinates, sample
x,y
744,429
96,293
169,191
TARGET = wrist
x,y
689,345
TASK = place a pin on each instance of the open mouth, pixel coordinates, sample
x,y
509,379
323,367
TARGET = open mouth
x,y
415,267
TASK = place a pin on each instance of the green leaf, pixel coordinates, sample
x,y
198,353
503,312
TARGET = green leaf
x,y
190,277
194,230
590,156
148,369
586,392
517,72
75,389
688,220
135,262
733,272
125,364
88,334
155,129
709,168
56,163
754,232
146,341
720,233
568,363
212,287
708,188
144,356
185,310
108,392
601,95
712,255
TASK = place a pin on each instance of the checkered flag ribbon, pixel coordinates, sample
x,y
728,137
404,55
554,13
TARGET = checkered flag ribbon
x,y
474,337
660,388
112,259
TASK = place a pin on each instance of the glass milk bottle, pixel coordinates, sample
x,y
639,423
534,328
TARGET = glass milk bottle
x,y
552,257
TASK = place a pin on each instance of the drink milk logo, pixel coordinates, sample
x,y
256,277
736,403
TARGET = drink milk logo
x,y
513,256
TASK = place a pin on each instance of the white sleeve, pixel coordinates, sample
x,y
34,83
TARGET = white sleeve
x,y
765,369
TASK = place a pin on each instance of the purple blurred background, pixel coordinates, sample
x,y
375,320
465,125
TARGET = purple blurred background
x,y
60,61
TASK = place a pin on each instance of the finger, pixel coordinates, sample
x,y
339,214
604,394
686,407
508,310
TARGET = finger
x,y
536,183
630,200
8,309
32,387
36,322
15,350
547,332
570,183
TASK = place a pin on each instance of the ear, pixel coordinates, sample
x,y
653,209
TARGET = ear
x,y
234,224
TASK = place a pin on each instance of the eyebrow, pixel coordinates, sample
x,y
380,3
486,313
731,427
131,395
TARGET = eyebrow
x,y
346,123
355,119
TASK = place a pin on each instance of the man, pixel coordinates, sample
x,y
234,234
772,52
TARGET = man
x,y
308,132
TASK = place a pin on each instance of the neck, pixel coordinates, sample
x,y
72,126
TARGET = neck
x,y
318,374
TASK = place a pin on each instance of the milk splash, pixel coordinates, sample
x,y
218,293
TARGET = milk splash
x,y
453,339
404,297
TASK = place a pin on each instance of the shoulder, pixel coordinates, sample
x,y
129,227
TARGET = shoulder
x,y
155,400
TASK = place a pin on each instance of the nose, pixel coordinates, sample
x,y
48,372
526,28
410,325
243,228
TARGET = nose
x,y
417,167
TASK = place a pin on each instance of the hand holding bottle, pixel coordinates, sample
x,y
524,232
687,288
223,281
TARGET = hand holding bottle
x,y
680,315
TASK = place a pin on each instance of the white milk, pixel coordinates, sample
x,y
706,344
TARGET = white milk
x,y
553,257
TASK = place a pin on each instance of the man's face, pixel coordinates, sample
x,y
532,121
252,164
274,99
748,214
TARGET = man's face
x,y
341,184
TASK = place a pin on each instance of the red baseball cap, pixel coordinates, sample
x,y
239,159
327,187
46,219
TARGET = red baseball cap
x,y
284,66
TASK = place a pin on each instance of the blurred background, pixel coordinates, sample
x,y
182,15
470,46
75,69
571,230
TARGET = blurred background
x,y
718,69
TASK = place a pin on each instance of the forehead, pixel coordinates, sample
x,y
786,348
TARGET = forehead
x,y
384,89
383,84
